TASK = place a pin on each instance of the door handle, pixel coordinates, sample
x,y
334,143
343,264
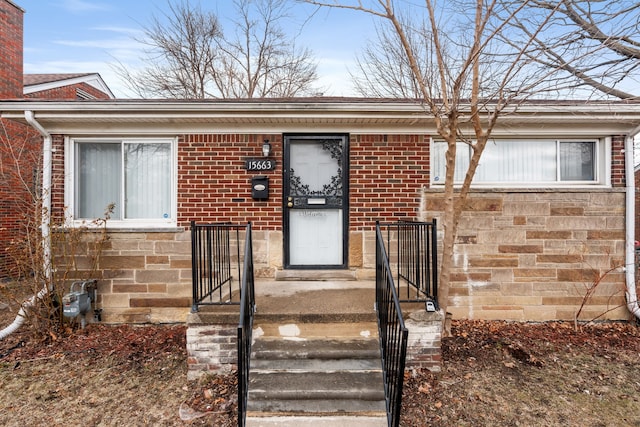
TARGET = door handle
x,y
290,204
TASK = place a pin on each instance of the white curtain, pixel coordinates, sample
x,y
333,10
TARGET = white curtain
x,y
146,193
517,162
98,179
439,161
576,161
521,162
147,180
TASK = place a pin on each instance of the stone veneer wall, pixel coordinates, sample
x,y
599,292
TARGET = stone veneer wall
x,y
146,277
532,255
520,255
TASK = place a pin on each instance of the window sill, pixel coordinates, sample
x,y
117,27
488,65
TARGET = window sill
x,y
118,227
594,189
158,229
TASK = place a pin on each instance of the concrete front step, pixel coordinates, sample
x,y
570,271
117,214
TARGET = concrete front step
x,y
316,407
340,392
314,365
318,349
326,369
316,275
300,330
316,421
339,385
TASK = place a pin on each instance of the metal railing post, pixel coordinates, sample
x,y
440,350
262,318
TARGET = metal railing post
x,y
392,332
211,259
245,328
417,260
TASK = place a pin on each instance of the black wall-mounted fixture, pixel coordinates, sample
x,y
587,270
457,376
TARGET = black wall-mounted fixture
x,y
260,187
266,148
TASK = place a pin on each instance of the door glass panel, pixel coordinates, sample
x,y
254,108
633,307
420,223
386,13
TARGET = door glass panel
x,y
316,236
316,169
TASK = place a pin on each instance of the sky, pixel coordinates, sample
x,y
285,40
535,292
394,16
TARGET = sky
x,y
77,36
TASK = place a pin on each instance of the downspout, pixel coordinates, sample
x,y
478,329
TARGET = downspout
x,y
47,157
630,258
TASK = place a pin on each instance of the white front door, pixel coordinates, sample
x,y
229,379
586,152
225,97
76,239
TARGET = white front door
x,y
315,201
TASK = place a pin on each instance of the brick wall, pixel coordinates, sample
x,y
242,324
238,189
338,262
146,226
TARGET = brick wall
x,y
424,341
617,161
211,349
57,178
16,161
19,170
11,27
213,185
387,174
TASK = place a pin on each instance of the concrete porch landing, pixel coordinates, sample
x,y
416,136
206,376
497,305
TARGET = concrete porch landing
x,y
308,301
315,301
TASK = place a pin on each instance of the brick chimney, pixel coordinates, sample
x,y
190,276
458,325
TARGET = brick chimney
x,y
11,50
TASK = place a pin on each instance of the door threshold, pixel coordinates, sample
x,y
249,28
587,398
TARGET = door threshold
x,y
316,275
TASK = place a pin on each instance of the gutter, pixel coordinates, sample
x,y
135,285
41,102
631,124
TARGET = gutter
x,y
47,156
630,258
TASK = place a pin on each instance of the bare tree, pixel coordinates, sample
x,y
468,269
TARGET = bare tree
x,y
466,81
181,55
260,61
189,55
596,43
383,69
593,45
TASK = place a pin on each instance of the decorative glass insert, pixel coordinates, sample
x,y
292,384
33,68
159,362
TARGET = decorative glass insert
x,y
316,168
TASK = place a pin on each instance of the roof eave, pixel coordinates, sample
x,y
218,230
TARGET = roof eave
x,y
145,116
92,79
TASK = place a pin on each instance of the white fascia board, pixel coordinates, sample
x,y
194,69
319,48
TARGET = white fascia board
x,y
142,116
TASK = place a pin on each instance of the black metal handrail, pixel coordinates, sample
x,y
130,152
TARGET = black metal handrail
x,y
245,328
211,264
417,258
392,331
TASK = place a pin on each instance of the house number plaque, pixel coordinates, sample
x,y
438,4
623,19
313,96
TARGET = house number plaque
x,y
259,164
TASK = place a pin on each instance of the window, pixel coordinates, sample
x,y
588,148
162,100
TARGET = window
x,y
526,163
136,176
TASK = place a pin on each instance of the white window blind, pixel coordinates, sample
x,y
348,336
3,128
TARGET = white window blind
x,y
522,162
135,176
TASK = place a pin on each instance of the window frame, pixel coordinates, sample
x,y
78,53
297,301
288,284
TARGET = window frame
x,y
602,166
70,183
